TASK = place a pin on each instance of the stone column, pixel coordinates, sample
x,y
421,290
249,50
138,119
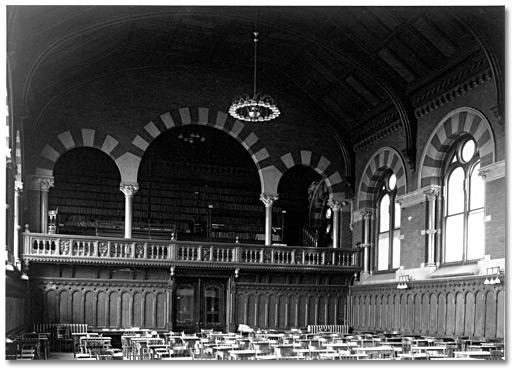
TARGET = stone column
x,y
367,219
268,200
336,207
431,195
18,190
45,184
128,190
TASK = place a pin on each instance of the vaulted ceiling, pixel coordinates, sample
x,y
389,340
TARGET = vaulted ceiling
x,y
353,66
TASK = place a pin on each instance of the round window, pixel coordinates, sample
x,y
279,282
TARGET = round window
x,y
467,150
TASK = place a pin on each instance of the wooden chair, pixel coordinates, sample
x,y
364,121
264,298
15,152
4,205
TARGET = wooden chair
x,y
64,339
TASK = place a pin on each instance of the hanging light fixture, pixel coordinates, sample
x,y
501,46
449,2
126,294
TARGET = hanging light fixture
x,y
259,107
192,137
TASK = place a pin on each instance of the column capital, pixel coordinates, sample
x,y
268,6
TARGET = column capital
x,y
366,212
129,189
432,192
45,182
335,205
268,199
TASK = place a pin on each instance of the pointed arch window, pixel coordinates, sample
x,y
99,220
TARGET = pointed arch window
x,y
388,225
464,237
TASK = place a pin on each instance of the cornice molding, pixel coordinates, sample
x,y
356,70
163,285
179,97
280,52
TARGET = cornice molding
x,y
493,171
417,196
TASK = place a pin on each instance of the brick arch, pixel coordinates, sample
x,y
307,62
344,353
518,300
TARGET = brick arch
x,y
204,117
460,121
71,139
333,179
384,159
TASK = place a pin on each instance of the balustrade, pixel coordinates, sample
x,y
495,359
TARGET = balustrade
x,y
55,245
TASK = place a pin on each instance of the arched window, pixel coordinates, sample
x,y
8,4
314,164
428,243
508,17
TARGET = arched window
x,y
463,204
388,225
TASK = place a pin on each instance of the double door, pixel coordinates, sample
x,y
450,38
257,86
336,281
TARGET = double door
x,y
200,304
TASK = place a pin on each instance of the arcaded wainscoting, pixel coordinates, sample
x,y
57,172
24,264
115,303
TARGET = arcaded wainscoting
x,y
458,307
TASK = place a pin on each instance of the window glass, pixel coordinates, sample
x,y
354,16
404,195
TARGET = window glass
x,y
397,215
456,191
382,258
396,249
468,150
454,238
392,180
384,214
476,238
477,189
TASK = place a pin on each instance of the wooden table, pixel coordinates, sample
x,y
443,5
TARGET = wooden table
x,y
473,354
430,351
222,352
376,351
238,355
341,345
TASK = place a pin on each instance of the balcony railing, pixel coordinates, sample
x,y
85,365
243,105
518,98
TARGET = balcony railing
x,y
70,248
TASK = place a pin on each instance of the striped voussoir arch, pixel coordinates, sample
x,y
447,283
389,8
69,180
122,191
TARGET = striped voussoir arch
x,y
384,159
201,116
76,138
320,164
460,121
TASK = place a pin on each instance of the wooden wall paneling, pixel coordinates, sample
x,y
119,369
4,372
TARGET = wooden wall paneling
x,y
251,311
491,315
262,311
459,314
313,309
64,303
303,311
434,315
161,320
321,310
332,310
402,313
77,307
283,312
410,309
148,309
50,314
417,313
102,310
425,313
113,310
342,310
125,310
137,310
469,315
241,317
293,311
480,314
501,314
89,308
441,317
372,312
450,314
272,311
397,312
355,311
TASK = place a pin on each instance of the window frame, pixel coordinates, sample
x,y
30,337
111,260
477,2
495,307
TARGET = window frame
x,y
468,168
382,190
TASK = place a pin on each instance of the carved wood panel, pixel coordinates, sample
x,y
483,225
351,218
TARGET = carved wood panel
x,y
460,308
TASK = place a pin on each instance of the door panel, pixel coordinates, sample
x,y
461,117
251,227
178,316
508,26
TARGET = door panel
x,y
200,304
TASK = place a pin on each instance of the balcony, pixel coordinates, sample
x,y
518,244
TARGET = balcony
x,y
58,248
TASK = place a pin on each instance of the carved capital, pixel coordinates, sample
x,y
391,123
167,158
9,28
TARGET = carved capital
x,y
268,199
335,205
45,182
432,193
499,114
129,189
366,213
483,173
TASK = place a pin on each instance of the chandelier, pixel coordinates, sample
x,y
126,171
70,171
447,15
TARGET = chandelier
x,y
192,137
259,107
